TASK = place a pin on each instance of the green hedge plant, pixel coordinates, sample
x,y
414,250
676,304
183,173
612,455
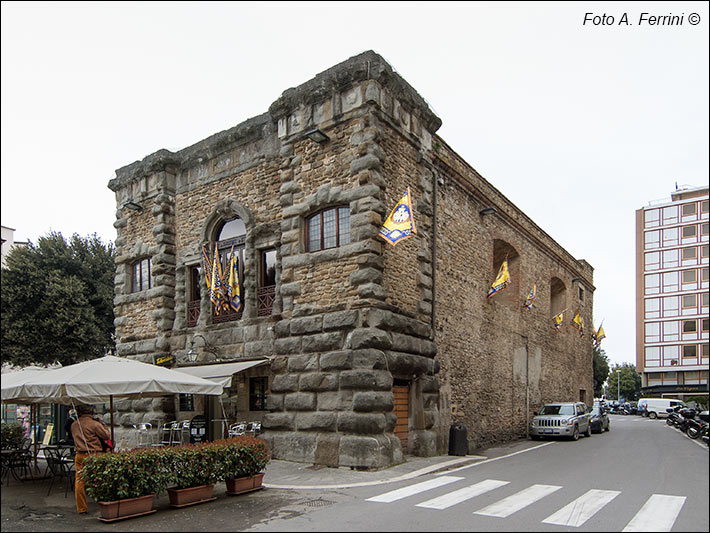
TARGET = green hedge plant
x,y
130,474
243,456
127,474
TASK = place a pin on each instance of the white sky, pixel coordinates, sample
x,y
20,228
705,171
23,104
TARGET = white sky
x,y
578,125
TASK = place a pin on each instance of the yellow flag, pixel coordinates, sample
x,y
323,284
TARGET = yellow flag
x,y
400,222
558,319
501,281
578,323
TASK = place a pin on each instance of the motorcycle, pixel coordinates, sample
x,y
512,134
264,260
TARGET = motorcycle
x,y
698,427
673,415
686,415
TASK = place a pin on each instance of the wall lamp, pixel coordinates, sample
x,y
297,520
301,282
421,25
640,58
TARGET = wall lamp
x,y
130,204
488,211
192,354
317,136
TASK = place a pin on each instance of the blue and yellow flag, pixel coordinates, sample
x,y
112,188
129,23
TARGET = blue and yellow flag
x,y
531,298
233,294
558,319
501,281
598,335
400,222
216,294
578,323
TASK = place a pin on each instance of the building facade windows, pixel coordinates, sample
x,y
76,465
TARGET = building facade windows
x,y
329,228
140,275
267,282
257,393
194,274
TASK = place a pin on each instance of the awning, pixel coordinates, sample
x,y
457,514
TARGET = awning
x,y
220,373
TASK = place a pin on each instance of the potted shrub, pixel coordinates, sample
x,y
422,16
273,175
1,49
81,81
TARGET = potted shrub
x,y
124,484
243,460
194,469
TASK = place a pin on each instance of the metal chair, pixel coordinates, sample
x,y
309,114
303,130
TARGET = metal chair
x,y
61,466
144,435
237,429
255,427
18,460
166,433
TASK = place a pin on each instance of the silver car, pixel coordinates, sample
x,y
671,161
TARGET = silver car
x,y
567,419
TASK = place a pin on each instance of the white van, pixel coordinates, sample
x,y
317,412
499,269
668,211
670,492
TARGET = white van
x,y
656,407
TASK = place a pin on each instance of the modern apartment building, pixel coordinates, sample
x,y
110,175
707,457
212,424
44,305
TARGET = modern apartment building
x,y
672,305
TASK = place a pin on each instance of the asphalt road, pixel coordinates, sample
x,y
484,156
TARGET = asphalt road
x,y
640,476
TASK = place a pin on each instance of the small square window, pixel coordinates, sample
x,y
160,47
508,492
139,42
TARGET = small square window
x,y
690,253
690,350
690,276
689,209
690,326
690,301
689,232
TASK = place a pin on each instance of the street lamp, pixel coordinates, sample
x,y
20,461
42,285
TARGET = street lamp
x,y
618,385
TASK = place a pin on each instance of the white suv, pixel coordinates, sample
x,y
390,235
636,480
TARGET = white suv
x,y
561,420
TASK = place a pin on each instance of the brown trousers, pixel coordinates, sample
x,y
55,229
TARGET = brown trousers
x,y
79,492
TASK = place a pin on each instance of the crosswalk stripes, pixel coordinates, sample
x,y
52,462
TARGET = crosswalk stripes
x,y
461,495
511,504
582,509
404,492
659,513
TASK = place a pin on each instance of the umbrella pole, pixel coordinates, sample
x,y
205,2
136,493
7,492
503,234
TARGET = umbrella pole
x,y
111,410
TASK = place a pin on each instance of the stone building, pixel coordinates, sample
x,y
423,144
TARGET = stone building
x,y
374,350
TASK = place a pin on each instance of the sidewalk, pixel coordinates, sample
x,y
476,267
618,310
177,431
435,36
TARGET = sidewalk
x,y
27,507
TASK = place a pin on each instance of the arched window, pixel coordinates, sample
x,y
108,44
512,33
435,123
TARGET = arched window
x,y
231,235
558,300
328,228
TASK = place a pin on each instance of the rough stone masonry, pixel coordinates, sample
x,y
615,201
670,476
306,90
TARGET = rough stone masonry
x,y
375,350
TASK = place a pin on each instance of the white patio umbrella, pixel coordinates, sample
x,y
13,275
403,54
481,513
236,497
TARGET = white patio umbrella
x,y
101,380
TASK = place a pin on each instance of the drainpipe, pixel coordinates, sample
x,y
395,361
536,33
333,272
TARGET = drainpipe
x,y
433,254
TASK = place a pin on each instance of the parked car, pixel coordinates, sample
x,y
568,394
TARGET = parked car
x,y
565,419
599,420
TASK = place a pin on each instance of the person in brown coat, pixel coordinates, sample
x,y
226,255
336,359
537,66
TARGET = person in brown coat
x,y
87,432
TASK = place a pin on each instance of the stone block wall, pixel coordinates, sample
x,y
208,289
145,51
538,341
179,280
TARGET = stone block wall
x,y
351,322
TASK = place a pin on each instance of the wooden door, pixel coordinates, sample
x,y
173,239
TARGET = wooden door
x,y
401,411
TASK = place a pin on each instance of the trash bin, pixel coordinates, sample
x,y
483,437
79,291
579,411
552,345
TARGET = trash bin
x,y
458,440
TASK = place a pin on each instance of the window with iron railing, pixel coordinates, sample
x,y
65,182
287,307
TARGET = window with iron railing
x,y
266,293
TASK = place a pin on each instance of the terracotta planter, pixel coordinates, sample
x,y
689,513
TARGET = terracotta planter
x,y
191,495
241,485
127,508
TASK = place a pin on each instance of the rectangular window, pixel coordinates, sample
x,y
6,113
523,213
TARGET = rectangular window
x,y
329,229
690,276
653,260
653,308
689,209
670,352
690,301
704,229
690,253
690,351
690,326
140,275
257,393
193,295
653,332
705,325
705,300
670,331
651,218
670,282
671,258
266,293
652,356
704,274
653,284
670,237
652,239
670,215
690,232
704,207
704,252
705,350
670,306
187,402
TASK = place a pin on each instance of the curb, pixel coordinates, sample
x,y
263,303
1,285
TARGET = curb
x,y
441,467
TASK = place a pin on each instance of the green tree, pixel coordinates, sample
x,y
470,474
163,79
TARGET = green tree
x,y
601,371
627,381
57,301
